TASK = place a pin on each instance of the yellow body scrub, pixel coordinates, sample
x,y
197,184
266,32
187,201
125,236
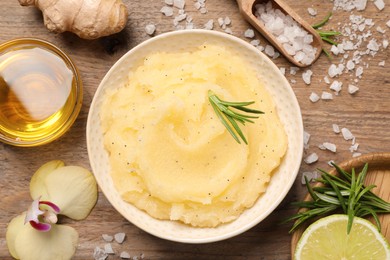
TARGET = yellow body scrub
x,y
169,153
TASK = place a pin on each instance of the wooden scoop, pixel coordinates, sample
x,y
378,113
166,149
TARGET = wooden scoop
x,y
247,10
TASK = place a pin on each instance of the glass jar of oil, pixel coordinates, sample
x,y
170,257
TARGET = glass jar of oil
x,y
40,92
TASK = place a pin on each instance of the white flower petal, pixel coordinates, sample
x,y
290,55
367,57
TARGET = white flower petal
x,y
13,229
37,187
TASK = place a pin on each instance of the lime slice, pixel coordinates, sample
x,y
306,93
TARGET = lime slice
x,y
327,238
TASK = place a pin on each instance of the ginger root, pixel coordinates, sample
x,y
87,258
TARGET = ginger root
x,y
88,19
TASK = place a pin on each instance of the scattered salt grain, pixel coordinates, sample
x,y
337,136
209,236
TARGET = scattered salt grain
x,y
255,42
269,50
203,10
350,65
356,154
359,71
314,97
227,20
169,2
99,254
381,63
310,176
326,79
108,249
347,134
385,43
326,96
336,86
354,147
150,29
228,31
124,255
336,128
380,30
333,71
330,146
209,25
197,5
179,4
107,238
379,4
312,11
306,139
352,89
373,45
167,11
293,70
306,76
312,158
249,33
283,70
119,237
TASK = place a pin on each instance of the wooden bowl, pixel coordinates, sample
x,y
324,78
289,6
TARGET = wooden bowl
x,y
378,174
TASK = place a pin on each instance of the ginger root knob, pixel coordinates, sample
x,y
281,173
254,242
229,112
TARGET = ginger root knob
x,y
88,19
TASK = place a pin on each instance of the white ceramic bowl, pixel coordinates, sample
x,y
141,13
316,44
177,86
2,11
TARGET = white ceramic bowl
x,y
286,105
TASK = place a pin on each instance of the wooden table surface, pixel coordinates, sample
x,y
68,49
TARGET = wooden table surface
x,y
366,114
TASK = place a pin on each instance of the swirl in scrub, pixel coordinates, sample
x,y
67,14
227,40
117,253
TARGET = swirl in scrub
x,y
171,156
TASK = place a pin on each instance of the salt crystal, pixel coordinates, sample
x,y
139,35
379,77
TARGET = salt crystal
x,y
169,2
306,139
228,31
347,134
356,154
314,97
209,25
269,50
108,249
379,29
336,86
330,146
385,43
381,63
150,29
306,76
197,5
379,4
293,70
322,147
336,128
350,65
334,50
326,96
359,71
312,158
260,48
221,21
312,11
119,237
203,10
373,45
227,20
354,147
249,33
179,4
310,176
333,71
167,11
293,81
179,18
124,255
255,42
326,79
99,254
331,163
283,70
107,238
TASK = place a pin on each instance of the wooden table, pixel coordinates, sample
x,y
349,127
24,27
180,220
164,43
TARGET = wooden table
x,y
366,114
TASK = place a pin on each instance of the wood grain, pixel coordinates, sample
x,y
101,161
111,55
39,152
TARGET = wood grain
x,y
366,114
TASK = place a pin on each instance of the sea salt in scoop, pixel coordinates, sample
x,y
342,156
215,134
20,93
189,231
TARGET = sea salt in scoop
x,y
284,29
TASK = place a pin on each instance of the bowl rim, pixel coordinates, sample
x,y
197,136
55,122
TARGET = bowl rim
x,y
50,47
293,172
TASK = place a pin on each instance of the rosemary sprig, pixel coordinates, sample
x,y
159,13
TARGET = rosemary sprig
x,y
229,117
345,193
325,35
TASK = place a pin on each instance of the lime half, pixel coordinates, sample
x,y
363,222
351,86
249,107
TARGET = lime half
x,y
327,238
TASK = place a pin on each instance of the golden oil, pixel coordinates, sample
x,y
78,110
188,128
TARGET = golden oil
x,y
40,92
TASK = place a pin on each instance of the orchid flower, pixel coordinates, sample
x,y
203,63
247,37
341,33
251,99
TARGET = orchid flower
x,y
56,190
